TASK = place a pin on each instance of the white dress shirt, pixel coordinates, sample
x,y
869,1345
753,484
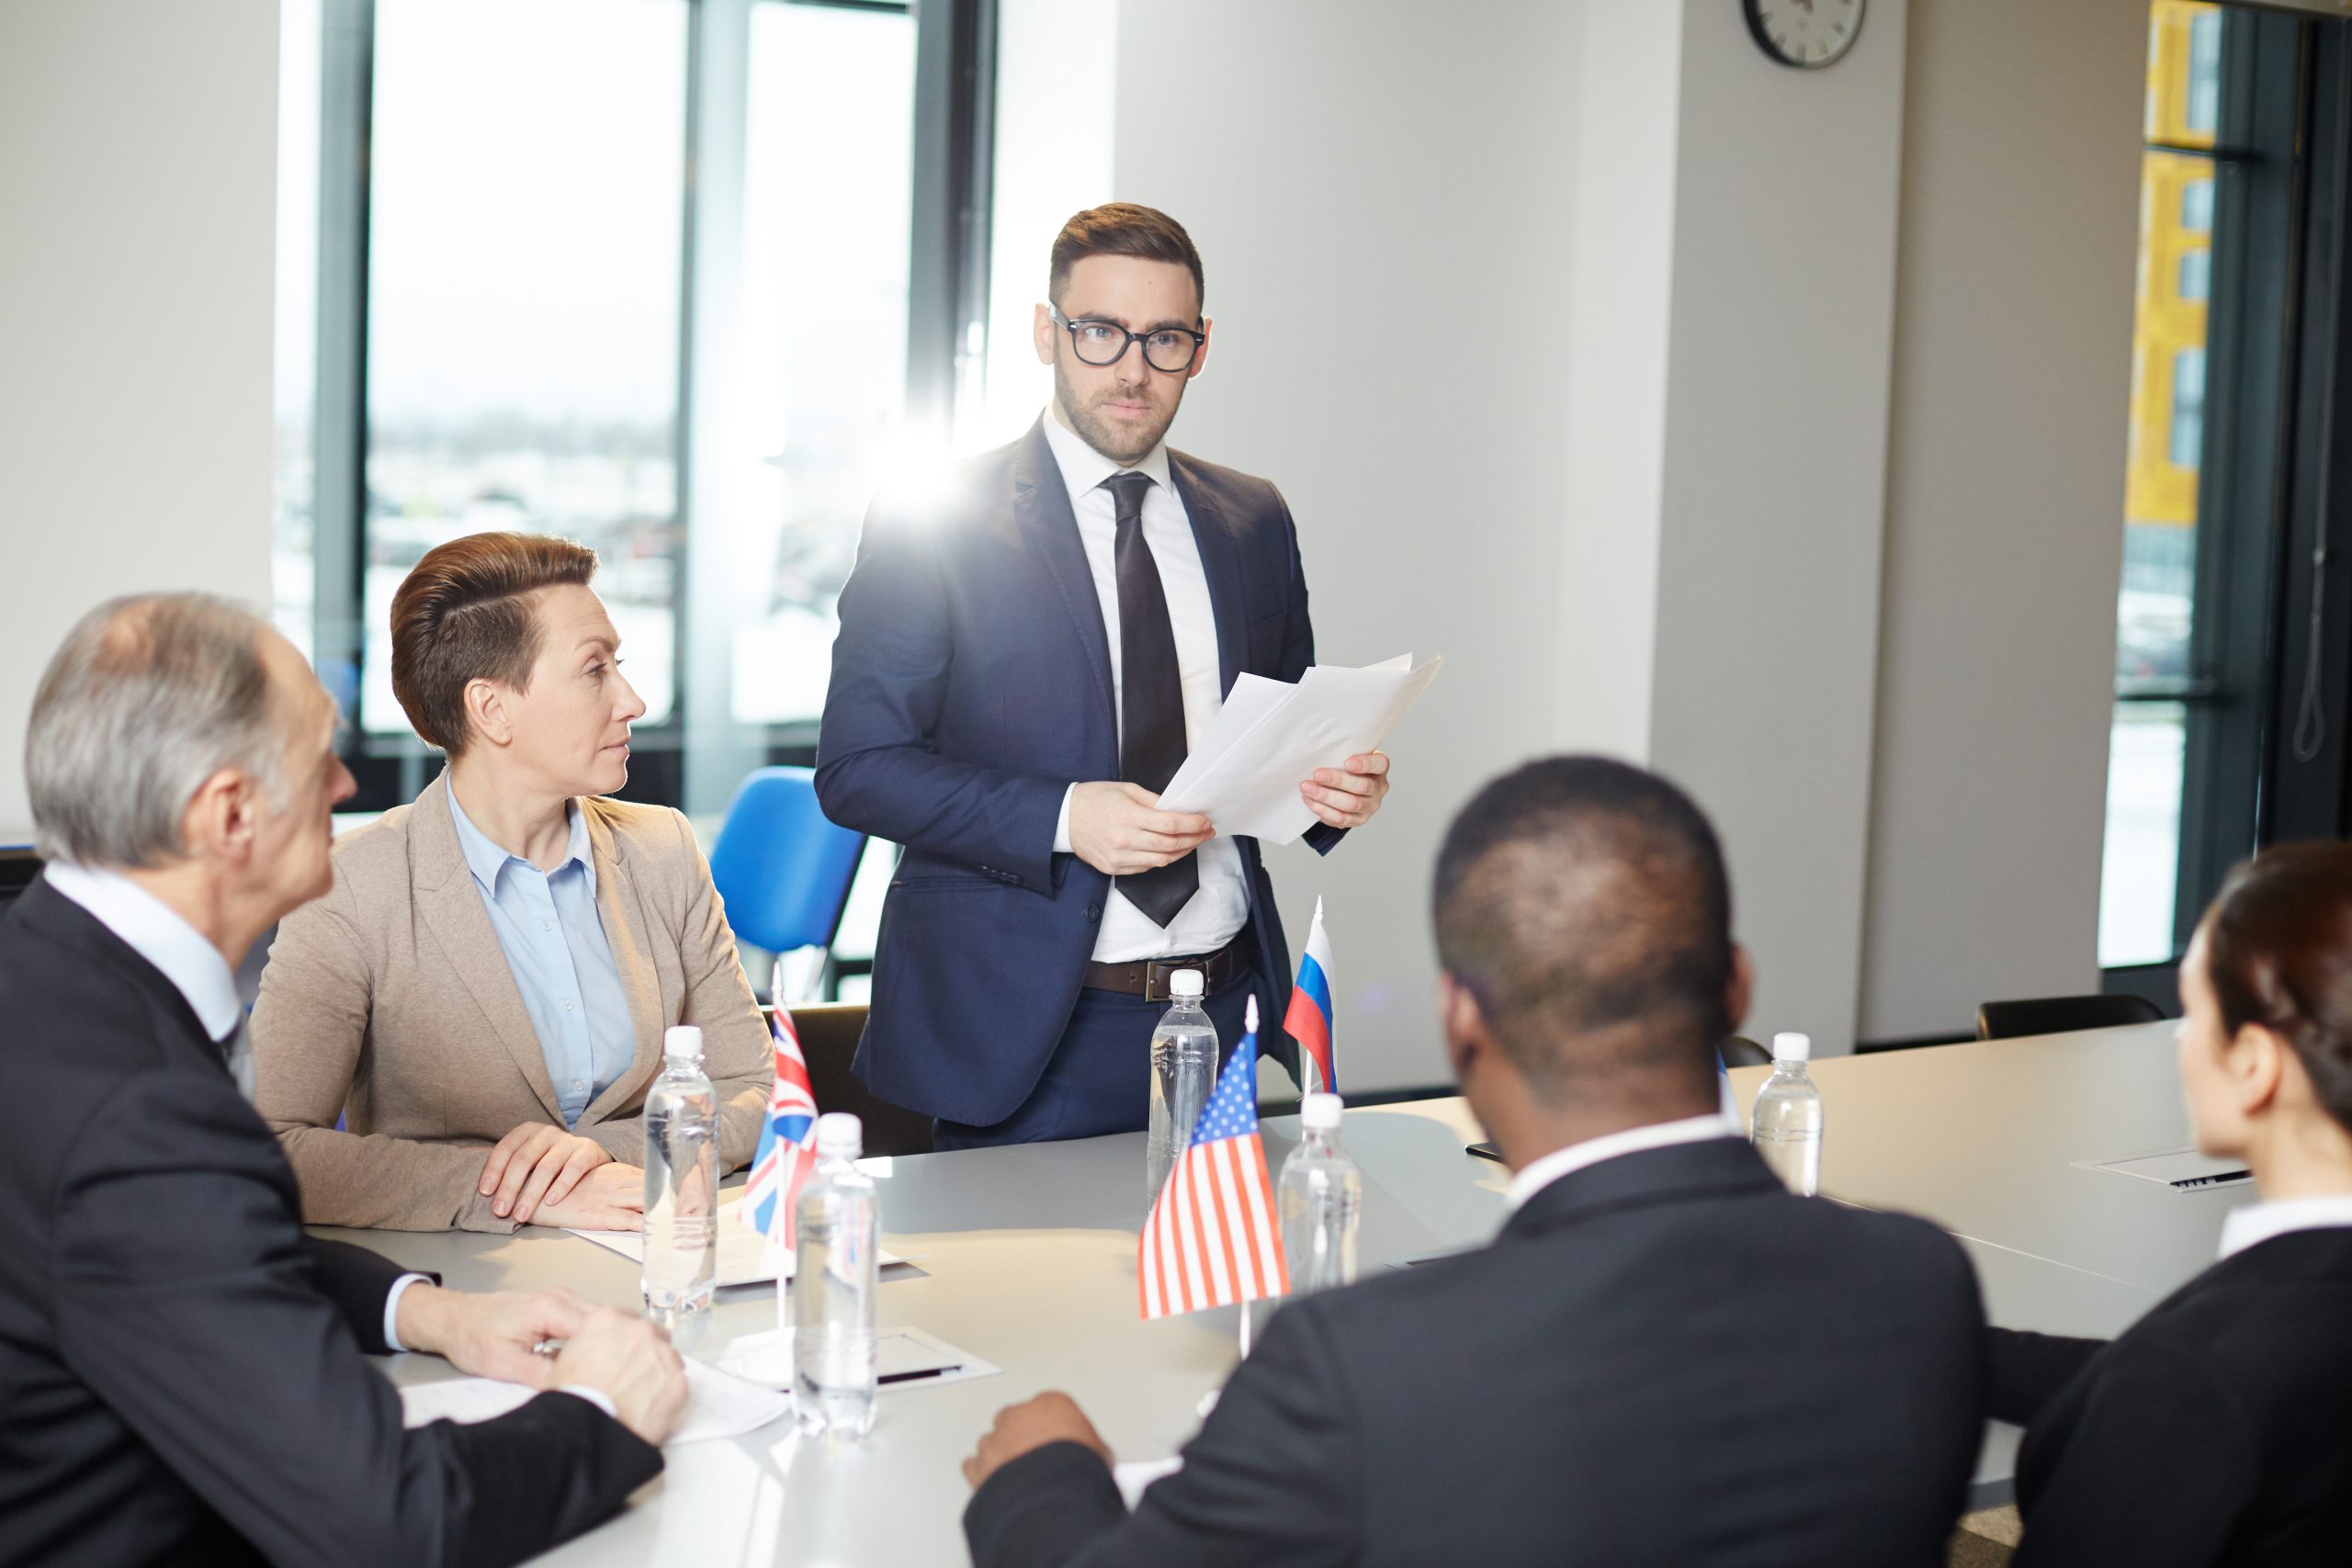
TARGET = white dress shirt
x,y
153,929
1537,1174
1215,913
2260,1222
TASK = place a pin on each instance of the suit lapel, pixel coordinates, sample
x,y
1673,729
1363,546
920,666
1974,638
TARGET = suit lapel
x,y
620,906
452,905
1041,505
1213,534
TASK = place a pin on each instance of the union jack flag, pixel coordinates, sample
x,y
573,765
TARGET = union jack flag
x,y
787,1150
1211,1239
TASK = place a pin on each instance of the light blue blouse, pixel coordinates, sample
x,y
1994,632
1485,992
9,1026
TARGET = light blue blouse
x,y
555,945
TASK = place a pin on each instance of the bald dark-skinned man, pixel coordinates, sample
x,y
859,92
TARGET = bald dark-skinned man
x,y
1664,1358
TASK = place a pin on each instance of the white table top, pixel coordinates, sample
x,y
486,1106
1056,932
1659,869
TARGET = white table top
x,y
1025,1257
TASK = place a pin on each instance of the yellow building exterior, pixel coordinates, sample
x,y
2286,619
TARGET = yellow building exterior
x,y
2176,261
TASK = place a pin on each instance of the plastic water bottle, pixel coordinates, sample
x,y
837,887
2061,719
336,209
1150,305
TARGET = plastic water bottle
x,y
1183,1071
836,1227
1787,1126
1321,1194
681,1188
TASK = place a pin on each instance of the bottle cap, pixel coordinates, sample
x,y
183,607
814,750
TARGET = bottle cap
x,y
1791,1047
840,1133
682,1041
1185,984
1320,1112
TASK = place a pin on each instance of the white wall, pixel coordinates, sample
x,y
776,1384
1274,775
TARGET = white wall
x,y
1345,164
137,180
2004,505
1767,634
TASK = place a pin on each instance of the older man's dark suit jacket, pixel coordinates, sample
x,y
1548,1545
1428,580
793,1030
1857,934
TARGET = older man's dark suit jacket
x,y
180,1372
1664,1358
971,687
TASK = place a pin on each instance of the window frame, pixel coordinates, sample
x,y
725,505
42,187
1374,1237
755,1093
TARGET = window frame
x,y
694,759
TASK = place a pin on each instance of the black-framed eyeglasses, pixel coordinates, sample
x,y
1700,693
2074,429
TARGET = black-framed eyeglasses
x,y
1100,342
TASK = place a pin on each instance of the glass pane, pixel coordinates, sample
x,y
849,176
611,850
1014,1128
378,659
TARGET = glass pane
x,y
829,170
293,578
525,234
2142,853
2154,604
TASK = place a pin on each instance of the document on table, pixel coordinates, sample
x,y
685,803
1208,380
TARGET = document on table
x,y
903,1358
718,1404
743,1254
1244,773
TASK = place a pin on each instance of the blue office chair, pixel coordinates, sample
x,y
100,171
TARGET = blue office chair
x,y
784,870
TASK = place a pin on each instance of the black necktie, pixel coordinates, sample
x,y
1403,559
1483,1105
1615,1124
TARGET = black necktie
x,y
1151,691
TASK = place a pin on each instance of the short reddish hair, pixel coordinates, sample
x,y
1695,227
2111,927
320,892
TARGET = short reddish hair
x,y
1124,229
465,615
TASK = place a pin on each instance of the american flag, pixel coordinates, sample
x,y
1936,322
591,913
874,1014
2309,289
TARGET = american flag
x,y
1211,1239
787,1150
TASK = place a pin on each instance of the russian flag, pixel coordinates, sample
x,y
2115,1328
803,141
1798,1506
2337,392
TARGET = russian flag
x,y
1309,1019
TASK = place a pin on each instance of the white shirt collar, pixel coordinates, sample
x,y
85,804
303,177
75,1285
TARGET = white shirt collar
x,y
2260,1222
157,934
1537,1174
1083,468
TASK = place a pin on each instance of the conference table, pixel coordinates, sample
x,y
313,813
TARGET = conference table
x,y
1025,1257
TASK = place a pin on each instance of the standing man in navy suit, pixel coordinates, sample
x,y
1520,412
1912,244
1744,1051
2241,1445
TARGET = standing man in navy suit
x,y
1024,663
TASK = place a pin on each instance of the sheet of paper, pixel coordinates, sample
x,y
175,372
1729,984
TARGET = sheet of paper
x,y
718,1404
1245,773
903,1358
743,1254
1132,1476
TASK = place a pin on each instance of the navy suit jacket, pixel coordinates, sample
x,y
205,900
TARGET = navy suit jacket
x,y
971,687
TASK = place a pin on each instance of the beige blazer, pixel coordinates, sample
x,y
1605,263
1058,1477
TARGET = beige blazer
x,y
388,1002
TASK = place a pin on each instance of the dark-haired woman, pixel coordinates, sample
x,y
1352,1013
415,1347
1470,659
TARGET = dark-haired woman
x,y
482,997
2219,1429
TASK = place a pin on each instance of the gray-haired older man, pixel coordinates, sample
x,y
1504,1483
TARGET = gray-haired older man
x,y
180,1372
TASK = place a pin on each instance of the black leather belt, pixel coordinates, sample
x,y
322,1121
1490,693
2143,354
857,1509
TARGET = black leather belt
x,y
1148,977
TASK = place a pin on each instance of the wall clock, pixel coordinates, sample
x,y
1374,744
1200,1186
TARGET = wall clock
x,y
1807,34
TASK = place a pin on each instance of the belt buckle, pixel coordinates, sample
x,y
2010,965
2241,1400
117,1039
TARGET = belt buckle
x,y
1158,972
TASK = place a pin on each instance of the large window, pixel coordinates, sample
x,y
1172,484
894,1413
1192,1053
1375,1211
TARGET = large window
x,y
2154,608
2231,643
649,273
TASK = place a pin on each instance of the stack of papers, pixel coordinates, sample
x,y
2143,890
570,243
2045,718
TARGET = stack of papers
x,y
1269,737
718,1404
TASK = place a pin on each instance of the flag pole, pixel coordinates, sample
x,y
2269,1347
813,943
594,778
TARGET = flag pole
x,y
1244,1330
775,1215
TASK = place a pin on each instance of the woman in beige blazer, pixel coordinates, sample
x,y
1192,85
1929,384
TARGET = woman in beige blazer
x,y
482,998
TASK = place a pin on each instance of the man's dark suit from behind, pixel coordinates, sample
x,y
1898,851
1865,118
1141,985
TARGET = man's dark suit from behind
x,y
1664,1358
180,1378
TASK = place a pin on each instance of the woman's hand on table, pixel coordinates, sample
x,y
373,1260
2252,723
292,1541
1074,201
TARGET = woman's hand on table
x,y
610,1198
537,1163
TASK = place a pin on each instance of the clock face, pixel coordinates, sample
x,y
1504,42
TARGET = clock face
x,y
1808,34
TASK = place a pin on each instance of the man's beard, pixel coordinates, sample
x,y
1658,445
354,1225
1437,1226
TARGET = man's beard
x,y
1115,439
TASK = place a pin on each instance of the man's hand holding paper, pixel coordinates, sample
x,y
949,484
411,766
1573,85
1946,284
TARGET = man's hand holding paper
x,y
1281,757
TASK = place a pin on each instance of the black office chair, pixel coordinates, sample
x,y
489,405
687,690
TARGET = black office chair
x,y
18,869
828,1035
1741,1052
2062,1015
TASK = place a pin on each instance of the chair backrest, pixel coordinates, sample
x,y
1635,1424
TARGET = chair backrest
x,y
829,1036
1738,1051
2062,1015
783,869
